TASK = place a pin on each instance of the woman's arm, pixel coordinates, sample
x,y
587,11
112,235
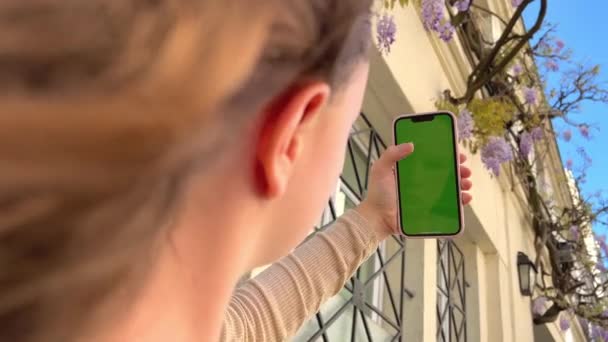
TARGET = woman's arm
x,y
273,305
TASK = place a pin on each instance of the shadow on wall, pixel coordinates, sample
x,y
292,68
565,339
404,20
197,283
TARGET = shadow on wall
x,y
542,334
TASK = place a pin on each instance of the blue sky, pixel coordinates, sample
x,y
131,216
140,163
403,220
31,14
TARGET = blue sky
x,y
581,25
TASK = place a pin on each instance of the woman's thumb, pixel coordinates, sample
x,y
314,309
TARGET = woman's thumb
x,y
393,154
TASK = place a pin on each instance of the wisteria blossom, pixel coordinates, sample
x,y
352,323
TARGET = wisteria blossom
x,y
596,332
386,31
537,133
574,233
525,144
517,69
564,323
567,135
552,65
603,244
465,125
530,95
538,305
433,19
516,3
462,5
544,46
584,130
446,32
432,14
496,152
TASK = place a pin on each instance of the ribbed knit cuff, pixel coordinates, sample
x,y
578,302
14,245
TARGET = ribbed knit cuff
x,y
363,227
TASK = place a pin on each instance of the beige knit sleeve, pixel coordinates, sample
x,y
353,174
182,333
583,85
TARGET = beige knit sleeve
x,y
273,305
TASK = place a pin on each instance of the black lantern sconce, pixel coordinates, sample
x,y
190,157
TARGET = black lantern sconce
x,y
527,274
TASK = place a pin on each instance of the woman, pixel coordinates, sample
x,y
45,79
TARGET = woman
x,y
153,151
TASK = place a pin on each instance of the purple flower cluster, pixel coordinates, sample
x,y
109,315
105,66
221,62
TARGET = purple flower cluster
x,y
465,125
551,65
567,135
599,332
516,3
537,133
433,19
584,323
463,5
569,164
551,45
386,31
526,140
432,14
595,332
584,130
543,45
603,244
530,95
564,323
574,233
496,151
447,32
517,69
538,305
525,144
552,49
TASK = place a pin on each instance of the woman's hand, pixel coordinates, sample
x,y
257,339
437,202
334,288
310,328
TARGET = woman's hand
x,y
380,205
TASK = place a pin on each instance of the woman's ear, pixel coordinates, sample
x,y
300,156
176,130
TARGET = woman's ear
x,y
285,121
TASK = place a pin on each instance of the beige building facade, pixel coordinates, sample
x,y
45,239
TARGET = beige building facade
x,y
466,289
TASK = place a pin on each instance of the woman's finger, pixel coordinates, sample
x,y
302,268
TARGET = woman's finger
x,y
465,172
391,156
466,184
466,198
463,158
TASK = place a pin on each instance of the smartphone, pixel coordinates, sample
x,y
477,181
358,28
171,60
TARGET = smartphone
x,y
428,181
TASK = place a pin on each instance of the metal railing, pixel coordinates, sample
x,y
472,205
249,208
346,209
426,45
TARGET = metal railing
x,y
382,274
451,293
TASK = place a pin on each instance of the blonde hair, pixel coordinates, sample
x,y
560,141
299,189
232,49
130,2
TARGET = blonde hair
x,y
101,103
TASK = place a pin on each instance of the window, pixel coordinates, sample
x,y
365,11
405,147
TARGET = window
x,y
451,293
370,306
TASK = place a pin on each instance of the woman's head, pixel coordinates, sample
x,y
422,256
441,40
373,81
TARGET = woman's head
x,y
119,117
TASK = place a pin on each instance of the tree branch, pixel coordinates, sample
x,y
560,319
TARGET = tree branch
x,y
486,69
550,315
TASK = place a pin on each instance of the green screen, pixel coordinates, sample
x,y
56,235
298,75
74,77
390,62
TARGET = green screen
x,y
427,186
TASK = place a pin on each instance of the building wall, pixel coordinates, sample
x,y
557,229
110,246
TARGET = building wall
x,y
410,79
